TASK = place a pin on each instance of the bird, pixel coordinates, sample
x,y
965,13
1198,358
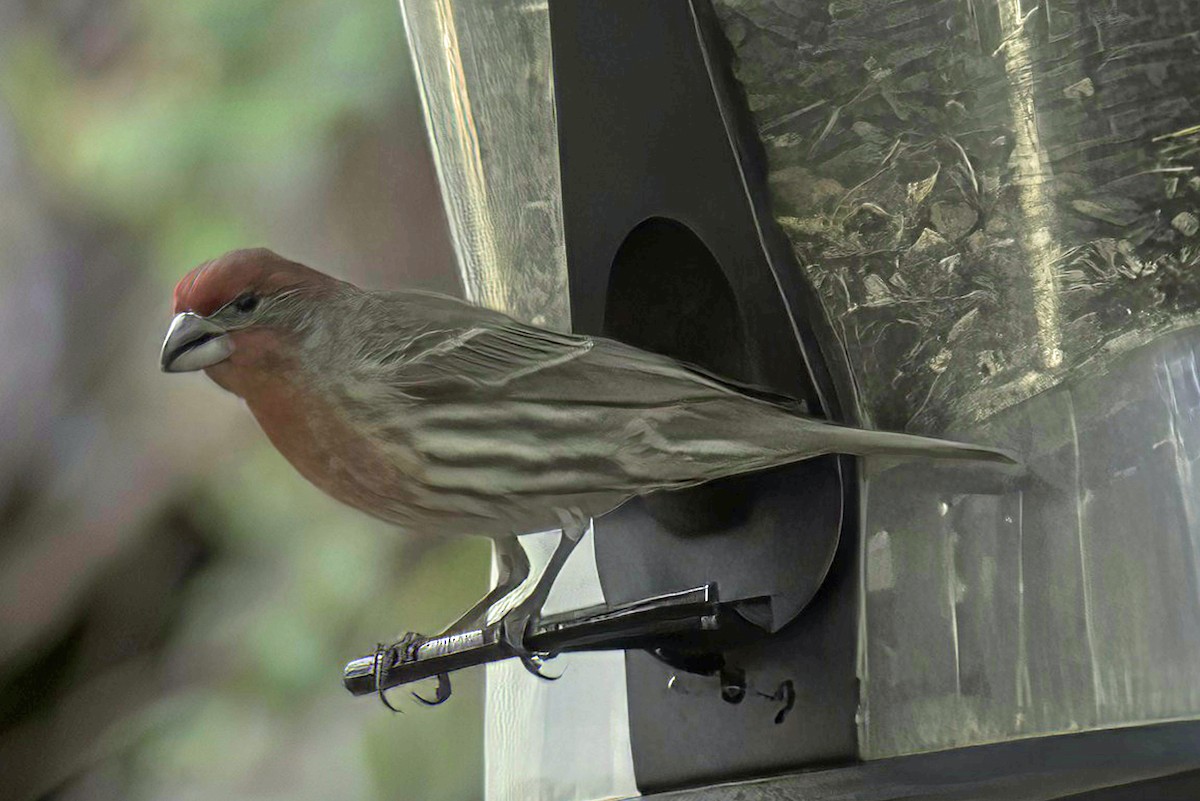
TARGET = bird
x,y
445,418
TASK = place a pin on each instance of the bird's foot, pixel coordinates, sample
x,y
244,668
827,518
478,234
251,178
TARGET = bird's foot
x,y
513,628
518,622
405,650
385,656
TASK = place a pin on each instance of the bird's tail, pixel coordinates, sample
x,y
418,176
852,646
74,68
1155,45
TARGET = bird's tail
x,y
864,442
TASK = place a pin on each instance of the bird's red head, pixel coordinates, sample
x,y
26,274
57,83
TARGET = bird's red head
x,y
240,273
232,315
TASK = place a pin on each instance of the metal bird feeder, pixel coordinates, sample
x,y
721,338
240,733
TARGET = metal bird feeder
x,y
977,219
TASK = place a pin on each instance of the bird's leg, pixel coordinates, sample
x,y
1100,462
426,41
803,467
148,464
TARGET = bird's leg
x,y
513,570
517,622
513,564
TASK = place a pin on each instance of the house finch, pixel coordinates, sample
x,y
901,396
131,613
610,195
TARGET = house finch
x,y
445,418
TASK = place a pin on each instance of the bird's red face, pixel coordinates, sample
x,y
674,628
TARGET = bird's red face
x,y
227,313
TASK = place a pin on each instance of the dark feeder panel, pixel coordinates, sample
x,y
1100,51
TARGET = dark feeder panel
x,y
670,247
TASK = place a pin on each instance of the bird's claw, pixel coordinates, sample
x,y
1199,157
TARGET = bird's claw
x,y
382,653
534,662
441,695
515,625
400,651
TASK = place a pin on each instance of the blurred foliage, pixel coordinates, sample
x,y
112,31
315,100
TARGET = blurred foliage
x,y
208,102
186,601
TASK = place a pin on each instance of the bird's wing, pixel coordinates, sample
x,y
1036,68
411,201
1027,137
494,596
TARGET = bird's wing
x,y
441,346
488,356
688,381
453,346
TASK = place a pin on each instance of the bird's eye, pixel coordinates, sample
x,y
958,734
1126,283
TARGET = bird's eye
x,y
246,303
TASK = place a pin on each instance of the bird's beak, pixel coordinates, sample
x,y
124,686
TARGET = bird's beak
x,y
194,343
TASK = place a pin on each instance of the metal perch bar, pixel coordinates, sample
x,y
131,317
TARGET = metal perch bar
x,y
637,624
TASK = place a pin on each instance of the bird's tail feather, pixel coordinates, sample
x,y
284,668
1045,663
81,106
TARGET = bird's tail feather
x,y
864,442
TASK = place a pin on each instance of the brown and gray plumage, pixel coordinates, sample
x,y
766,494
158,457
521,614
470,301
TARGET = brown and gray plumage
x,y
445,418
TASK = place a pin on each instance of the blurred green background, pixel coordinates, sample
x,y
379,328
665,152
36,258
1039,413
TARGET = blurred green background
x,y
175,603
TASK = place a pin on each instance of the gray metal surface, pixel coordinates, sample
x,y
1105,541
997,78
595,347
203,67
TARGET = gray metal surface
x,y
1156,762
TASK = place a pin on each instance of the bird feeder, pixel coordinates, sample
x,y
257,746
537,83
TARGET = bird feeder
x,y
975,219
